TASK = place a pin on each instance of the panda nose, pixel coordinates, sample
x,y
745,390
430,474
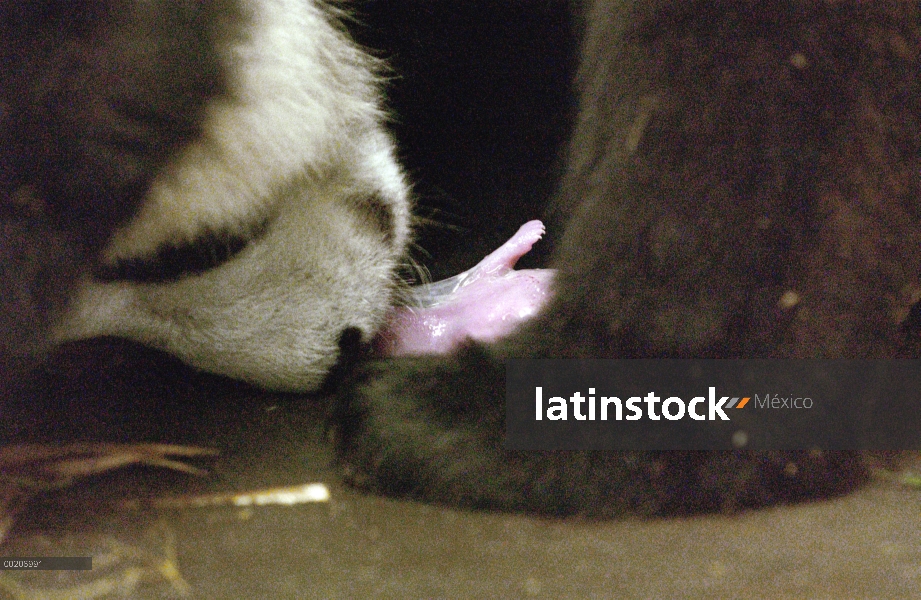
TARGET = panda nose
x,y
352,350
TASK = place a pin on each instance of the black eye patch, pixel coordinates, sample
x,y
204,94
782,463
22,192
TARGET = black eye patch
x,y
173,262
376,214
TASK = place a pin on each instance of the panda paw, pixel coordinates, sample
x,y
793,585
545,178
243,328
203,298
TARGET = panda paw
x,y
432,429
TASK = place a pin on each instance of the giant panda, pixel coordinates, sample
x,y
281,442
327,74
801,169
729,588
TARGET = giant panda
x,y
214,179
742,181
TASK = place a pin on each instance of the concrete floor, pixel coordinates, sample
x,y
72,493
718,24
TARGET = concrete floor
x,y
865,545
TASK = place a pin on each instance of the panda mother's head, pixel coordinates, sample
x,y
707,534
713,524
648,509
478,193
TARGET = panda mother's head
x,y
213,175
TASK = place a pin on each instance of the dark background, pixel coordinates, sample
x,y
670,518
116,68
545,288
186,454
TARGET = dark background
x,y
482,99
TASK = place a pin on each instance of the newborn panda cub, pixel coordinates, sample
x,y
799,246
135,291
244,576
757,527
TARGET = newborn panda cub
x,y
214,175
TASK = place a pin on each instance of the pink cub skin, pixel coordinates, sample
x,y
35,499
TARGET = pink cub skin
x,y
483,304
